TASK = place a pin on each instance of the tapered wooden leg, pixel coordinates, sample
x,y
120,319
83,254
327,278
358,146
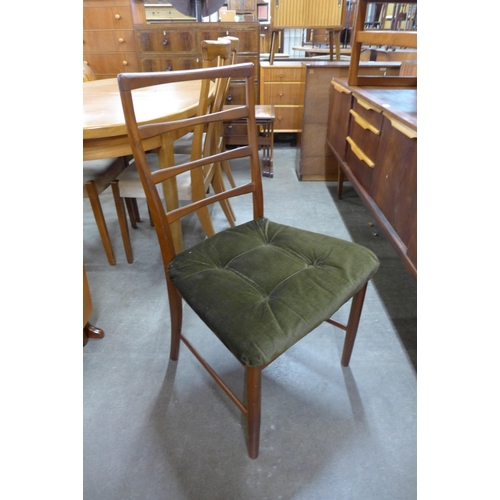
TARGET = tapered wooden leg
x,y
175,302
99,218
352,325
253,391
133,211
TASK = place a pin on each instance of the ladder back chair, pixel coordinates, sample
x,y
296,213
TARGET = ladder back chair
x,y
264,118
260,286
191,145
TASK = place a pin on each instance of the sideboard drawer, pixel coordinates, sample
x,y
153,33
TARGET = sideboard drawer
x,y
288,118
163,40
112,63
284,74
169,64
284,93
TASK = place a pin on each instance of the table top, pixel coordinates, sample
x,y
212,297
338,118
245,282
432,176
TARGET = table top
x,y
103,113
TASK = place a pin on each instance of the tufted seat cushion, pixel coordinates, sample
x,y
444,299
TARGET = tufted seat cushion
x,y
261,286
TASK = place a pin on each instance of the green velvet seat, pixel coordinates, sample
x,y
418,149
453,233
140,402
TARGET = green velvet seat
x,y
261,286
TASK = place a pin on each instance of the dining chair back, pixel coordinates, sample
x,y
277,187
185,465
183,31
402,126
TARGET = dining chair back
x,y
260,286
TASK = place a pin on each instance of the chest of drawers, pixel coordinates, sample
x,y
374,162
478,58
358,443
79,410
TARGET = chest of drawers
x,y
108,37
282,85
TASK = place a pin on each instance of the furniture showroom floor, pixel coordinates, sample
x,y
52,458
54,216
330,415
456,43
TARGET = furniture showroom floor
x,y
156,429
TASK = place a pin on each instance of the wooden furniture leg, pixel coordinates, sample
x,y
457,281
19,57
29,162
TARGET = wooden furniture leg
x,y
122,220
89,331
253,377
100,221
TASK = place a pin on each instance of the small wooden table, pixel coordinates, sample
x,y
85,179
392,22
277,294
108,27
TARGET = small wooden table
x,y
105,132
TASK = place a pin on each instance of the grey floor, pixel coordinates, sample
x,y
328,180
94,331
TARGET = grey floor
x,y
156,429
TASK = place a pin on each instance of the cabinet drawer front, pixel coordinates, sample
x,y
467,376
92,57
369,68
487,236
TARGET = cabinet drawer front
x,y
100,18
338,119
112,63
236,93
284,93
284,74
370,113
172,64
110,40
288,118
359,162
166,41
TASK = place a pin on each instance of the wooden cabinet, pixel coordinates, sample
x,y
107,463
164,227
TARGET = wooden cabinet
x,y
315,160
177,46
373,134
307,13
108,36
283,86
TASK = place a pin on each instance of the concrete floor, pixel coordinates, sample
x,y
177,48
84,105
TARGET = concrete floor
x,y
156,429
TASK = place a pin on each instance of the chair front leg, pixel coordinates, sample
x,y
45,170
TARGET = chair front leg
x,y
352,325
253,392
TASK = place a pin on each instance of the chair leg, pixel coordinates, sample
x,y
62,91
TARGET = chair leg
x,y
122,221
99,218
175,302
133,211
253,376
352,325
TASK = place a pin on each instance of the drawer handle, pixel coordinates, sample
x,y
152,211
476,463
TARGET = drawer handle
x,y
364,123
164,42
125,63
359,153
121,40
367,105
404,129
340,88
117,16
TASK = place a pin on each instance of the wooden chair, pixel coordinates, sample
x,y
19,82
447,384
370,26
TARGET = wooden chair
x,y
260,286
192,145
264,117
98,175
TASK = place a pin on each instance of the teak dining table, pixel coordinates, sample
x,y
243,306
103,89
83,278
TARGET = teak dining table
x,y
105,132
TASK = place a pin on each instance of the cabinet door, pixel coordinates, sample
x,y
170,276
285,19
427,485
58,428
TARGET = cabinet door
x,y
396,179
288,13
323,13
338,118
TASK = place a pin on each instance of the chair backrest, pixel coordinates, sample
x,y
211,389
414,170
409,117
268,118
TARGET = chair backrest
x,y
235,43
138,133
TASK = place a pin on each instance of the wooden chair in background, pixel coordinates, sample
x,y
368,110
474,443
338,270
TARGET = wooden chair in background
x,y
261,286
191,146
99,175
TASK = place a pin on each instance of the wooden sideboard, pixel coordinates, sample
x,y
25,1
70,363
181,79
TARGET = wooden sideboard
x,y
372,132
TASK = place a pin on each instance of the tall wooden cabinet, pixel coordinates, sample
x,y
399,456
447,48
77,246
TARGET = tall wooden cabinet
x,y
108,35
307,13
